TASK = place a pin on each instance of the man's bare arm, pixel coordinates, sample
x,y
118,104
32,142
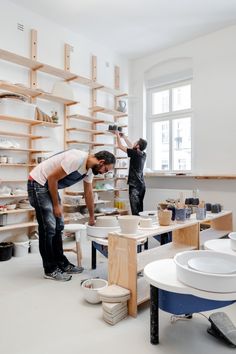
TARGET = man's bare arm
x,y
119,143
56,175
128,142
88,195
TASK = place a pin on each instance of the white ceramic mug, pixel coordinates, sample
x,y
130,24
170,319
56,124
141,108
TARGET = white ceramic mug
x,y
145,223
232,236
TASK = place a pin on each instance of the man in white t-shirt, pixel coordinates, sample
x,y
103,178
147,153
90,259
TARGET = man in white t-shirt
x,y
57,172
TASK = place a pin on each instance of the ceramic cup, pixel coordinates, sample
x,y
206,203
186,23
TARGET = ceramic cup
x,y
232,236
208,206
195,201
215,208
164,217
200,213
146,222
180,214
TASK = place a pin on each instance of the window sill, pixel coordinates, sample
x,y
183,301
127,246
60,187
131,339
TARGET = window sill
x,y
188,175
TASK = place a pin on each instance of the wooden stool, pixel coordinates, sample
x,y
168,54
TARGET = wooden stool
x,y
77,229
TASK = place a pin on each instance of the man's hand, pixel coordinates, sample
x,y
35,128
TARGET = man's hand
x,y
57,211
91,221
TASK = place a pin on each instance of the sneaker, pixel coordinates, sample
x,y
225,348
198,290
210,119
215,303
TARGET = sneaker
x,y
72,269
58,275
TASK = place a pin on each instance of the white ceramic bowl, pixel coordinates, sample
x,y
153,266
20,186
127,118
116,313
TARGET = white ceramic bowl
x,y
128,223
107,221
232,236
11,206
219,283
100,231
149,214
90,289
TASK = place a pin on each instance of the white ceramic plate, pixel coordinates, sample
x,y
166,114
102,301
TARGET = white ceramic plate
x,y
212,265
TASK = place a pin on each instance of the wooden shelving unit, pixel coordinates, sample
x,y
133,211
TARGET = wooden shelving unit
x,y
29,124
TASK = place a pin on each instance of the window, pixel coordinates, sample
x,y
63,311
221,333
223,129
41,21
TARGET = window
x,y
169,127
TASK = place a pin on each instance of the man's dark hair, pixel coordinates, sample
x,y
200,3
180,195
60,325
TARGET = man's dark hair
x,y
107,156
142,144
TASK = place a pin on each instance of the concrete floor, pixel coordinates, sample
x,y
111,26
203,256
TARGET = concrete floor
x,y
40,316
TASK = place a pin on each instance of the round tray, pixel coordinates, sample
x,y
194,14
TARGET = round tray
x,y
207,281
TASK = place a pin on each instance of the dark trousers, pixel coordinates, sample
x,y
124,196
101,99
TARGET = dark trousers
x,y
136,196
49,228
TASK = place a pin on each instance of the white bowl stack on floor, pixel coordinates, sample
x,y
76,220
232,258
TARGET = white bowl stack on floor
x,y
114,303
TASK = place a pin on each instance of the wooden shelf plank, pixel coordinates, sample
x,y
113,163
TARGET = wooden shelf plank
x,y
83,204
90,131
188,175
13,180
25,150
112,91
18,226
94,143
17,165
22,135
17,211
113,112
24,90
14,196
28,121
90,119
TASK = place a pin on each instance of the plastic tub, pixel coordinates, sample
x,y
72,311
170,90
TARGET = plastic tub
x,y
90,289
6,249
17,108
34,246
21,249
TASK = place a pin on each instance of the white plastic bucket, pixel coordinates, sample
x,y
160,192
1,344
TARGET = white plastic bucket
x,y
21,249
34,246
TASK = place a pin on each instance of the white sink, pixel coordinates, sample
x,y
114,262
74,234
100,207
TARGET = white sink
x,y
189,264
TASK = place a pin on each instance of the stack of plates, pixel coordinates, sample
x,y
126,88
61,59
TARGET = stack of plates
x,y
114,304
114,312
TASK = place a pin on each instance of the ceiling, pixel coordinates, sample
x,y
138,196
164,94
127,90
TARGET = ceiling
x,y
135,28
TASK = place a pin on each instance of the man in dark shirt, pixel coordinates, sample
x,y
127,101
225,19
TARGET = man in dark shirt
x,y
135,179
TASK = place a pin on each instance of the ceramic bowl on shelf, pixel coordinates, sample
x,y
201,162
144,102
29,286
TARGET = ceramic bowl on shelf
x,y
11,206
207,270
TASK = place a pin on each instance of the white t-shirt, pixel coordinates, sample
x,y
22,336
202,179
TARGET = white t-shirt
x,y
70,160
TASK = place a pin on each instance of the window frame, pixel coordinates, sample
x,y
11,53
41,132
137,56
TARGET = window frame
x,y
170,116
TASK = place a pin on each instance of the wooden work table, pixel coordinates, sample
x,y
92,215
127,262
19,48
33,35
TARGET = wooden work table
x,y
124,263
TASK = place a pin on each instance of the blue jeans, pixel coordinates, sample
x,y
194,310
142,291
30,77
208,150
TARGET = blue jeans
x,y
49,227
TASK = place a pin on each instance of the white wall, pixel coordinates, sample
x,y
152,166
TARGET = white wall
x,y
214,123
51,40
